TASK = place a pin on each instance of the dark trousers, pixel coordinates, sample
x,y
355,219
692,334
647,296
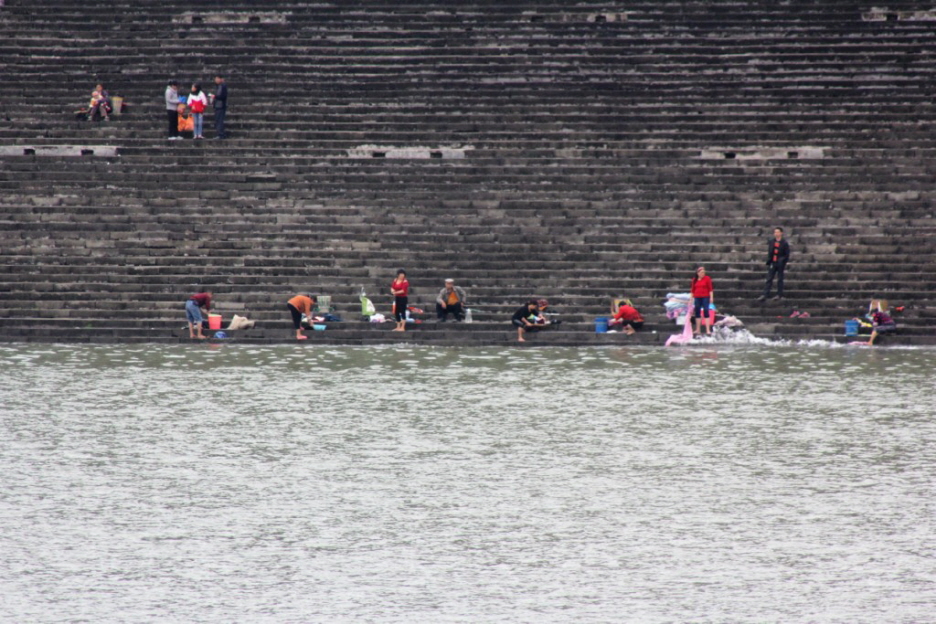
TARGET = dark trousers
x,y
219,123
455,309
400,304
172,117
777,270
296,315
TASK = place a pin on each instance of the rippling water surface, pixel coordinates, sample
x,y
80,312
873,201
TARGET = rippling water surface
x,y
294,484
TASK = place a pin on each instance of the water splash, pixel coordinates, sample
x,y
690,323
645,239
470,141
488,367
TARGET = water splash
x,y
743,337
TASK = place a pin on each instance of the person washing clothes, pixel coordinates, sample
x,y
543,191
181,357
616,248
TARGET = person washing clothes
x,y
193,312
628,318
881,321
297,306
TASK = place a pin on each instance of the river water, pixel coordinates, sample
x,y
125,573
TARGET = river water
x,y
323,484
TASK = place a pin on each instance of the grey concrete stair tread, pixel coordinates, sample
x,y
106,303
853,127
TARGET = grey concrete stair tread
x,y
610,149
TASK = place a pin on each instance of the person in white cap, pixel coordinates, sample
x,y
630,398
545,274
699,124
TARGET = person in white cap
x,y
451,300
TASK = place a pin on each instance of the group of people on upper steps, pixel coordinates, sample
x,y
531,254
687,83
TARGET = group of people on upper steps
x,y
185,114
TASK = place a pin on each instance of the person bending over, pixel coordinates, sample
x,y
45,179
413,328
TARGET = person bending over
x,y
193,312
628,318
297,306
881,323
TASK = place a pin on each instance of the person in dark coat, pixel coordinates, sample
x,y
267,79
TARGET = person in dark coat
x,y
778,255
219,101
526,318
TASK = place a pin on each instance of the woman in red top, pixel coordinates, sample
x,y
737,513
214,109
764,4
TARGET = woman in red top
x,y
629,319
703,295
400,291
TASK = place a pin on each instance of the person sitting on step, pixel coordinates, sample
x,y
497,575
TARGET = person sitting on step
x,y
451,300
100,105
298,306
186,123
628,318
541,305
526,318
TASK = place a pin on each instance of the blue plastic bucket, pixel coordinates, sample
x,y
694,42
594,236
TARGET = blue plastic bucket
x,y
851,328
601,325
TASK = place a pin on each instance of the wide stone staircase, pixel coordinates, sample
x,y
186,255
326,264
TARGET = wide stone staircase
x,y
572,151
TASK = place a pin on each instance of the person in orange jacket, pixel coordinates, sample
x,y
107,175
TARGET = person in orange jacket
x,y
186,125
299,305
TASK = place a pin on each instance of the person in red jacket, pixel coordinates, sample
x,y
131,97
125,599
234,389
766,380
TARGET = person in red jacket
x,y
193,312
399,288
703,295
628,318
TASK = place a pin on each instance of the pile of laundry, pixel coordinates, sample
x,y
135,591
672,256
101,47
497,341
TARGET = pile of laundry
x,y
677,309
241,322
677,306
369,311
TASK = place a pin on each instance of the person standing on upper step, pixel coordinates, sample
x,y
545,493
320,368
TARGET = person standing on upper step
x,y
703,295
219,101
197,103
400,291
172,110
778,255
